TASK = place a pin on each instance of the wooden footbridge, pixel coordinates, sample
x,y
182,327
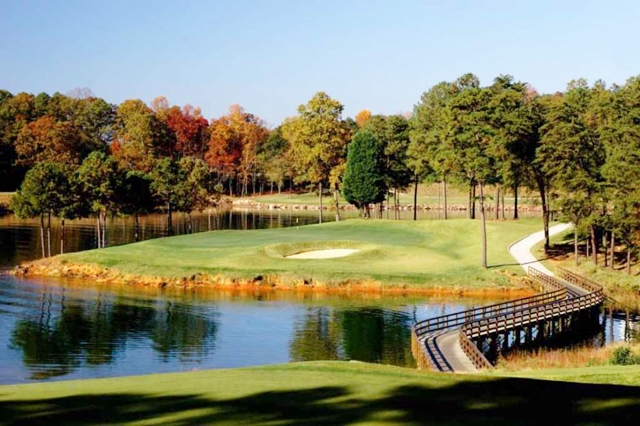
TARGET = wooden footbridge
x,y
473,339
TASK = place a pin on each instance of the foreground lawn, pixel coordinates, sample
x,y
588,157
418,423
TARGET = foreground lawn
x,y
327,393
407,253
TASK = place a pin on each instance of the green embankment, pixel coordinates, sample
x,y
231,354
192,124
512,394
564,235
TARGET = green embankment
x,y
415,254
329,393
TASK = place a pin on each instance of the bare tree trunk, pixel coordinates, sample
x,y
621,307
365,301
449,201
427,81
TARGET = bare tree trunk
x,y
515,200
337,204
49,235
320,200
575,245
605,258
136,218
628,260
104,228
444,196
484,228
415,199
497,203
613,246
44,252
545,211
473,201
502,206
594,244
388,196
396,212
169,220
98,234
469,205
62,236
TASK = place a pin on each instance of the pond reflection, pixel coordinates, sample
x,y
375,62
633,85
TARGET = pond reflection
x,y
69,329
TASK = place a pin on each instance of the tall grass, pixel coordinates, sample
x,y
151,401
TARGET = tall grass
x,y
546,358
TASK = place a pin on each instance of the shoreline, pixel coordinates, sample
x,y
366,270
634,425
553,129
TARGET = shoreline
x,y
54,268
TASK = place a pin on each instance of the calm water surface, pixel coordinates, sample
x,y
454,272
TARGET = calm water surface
x,y
68,329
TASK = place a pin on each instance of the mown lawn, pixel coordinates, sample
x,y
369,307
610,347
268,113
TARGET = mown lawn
x,y
407,253
331,393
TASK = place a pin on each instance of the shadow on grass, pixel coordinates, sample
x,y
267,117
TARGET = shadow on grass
x,y
500,401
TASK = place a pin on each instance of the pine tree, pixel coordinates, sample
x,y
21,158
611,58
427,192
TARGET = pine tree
x,y
363,181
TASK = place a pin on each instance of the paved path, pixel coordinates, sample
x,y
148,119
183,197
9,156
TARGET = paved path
x,y
521,250
448,342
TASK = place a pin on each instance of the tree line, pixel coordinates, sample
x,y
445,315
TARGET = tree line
x,y
578,149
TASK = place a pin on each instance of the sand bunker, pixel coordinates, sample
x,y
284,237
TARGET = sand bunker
x,y
323,254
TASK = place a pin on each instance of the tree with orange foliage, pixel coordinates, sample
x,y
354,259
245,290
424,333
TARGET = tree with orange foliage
x,y
141,137
362,117
46,140
233,145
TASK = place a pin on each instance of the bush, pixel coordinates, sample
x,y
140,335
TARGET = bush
x,y
624,356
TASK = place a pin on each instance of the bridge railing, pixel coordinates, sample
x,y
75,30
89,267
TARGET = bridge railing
x,y
579,281
555,291
474,354
511,320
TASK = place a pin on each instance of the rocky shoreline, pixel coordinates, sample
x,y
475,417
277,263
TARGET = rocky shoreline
x,y
59,268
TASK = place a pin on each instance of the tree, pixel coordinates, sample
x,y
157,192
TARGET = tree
x,y
136,197
472,133
363,181
272,158
620,135
572,154
140,137
430,148
192,191
393,133
318,140
188,126
100,179
234,145
362,117
46,141
46,190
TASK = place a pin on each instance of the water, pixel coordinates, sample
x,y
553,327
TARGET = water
x,y
66,329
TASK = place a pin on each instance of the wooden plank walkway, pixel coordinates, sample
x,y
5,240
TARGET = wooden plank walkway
x,y
448,343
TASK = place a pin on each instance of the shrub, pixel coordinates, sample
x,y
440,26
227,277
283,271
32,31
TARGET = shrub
x,y
624,356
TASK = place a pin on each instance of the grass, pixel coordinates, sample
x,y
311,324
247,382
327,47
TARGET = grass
x,y
331,393
407,253
571,357
427,195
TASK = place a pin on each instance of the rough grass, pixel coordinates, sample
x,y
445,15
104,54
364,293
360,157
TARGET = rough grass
x,y
413,254
548,358
331,393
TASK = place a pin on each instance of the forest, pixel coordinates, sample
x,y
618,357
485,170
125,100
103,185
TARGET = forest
x,y
76,155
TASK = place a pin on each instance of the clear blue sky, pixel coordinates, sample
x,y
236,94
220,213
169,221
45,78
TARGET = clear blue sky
x,y
270,55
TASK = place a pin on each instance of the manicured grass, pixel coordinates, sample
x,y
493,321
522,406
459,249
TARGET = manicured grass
x,y
330,393
422,253
427,195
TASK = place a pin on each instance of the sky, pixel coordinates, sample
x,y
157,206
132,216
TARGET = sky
x,y
272,55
